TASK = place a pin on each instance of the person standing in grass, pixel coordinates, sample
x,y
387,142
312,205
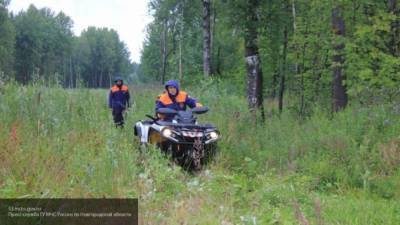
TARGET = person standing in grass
x,y
119,101
174,98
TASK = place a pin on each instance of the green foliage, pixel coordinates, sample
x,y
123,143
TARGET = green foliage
x,y
373,66
43,44
185,41
52,145
184,38
338,169
100,56
371,47
152,63
39,45
7,40
345,169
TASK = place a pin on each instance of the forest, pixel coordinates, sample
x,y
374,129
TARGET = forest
x,y
39,45
322,52
305,95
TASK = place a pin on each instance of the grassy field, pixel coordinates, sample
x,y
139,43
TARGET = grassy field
x,y
322,170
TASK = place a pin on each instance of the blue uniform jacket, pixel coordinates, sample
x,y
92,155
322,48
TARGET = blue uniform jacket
x,y
119,97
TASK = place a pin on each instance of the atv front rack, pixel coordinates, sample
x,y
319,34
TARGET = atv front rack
x,y
188,126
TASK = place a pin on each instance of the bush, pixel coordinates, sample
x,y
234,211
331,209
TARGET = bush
x,y
62,143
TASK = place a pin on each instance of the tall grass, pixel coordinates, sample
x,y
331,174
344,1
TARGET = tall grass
x,y
322,170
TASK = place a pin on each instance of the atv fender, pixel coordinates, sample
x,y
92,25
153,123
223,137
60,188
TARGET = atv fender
x,y
142,131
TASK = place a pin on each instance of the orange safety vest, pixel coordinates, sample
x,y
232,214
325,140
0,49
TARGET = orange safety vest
x,y
166,100
115,88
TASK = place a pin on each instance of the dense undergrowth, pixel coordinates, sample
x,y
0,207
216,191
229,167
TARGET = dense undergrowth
x,y
323,169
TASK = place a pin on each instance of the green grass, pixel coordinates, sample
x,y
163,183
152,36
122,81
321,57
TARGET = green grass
x,y
321,170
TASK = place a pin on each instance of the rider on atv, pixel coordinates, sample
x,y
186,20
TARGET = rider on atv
x,y
175,99
176,131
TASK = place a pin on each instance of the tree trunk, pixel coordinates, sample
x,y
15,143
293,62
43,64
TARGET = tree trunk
x,y
65,74
180,46
100,79
109,80
164,51
302,89
70,73
218,61
274,83
338,87
206,38
283,70
212,45
180,60
394,44
297,68
392,5
253,61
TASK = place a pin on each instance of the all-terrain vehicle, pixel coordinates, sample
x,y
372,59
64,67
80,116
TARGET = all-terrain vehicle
x,y
189,143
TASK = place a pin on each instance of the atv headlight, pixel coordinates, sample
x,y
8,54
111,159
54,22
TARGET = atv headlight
x,y
213,135
167,132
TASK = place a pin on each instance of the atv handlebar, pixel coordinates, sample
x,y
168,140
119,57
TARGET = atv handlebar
x,y
200,110
167,111
151,117
196,110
